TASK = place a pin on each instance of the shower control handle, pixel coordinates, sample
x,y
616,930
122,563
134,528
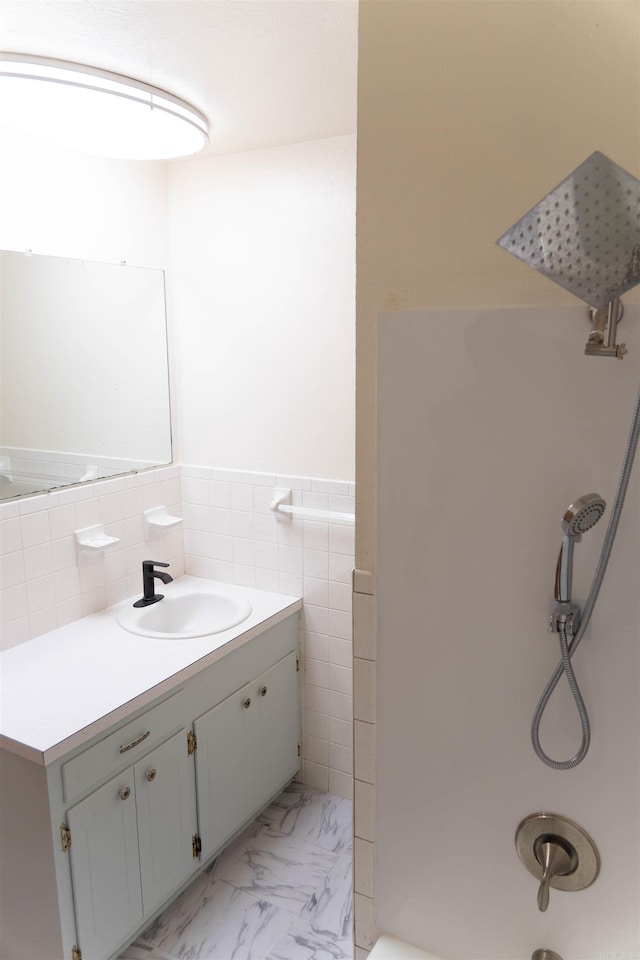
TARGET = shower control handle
x,y
557,859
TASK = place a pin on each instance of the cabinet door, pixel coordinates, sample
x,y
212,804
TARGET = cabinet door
x,y
223,769
166,805
276,759
105,866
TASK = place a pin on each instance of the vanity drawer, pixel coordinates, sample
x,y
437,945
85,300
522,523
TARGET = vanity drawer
x,y
121,748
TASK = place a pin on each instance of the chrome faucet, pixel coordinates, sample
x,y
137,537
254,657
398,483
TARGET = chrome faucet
x,y
149,575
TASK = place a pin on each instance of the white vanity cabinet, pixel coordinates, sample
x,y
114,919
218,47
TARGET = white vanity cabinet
x,y
95,843
132,844
252,737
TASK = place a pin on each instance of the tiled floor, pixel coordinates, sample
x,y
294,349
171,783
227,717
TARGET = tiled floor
x,y
280,891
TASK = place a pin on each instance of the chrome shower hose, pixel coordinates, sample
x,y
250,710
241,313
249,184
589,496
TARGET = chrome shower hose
x,y
567,649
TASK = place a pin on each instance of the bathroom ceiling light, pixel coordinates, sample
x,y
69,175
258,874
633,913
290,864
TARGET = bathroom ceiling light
x,y
95,111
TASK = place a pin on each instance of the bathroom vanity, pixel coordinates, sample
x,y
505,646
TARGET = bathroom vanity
x,y
128,763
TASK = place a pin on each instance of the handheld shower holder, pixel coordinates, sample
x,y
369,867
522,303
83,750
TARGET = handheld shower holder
x,y
565,616
602,339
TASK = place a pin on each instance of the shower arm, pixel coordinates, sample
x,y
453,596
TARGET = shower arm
x,y
602,339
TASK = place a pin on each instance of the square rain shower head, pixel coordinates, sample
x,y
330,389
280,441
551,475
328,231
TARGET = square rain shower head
x,y
585,234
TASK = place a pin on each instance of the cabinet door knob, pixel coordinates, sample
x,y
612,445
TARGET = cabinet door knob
x,y
246,703
151,775
263,691
125,793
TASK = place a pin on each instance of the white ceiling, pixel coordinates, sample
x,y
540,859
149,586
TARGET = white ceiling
x,y
265,72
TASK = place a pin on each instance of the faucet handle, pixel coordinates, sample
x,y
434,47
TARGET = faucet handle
x,y
557,859
151,564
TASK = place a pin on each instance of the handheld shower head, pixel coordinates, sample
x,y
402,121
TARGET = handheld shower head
x,y
579,517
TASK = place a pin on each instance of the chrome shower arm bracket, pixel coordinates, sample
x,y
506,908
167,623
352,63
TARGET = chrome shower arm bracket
x,y
602,339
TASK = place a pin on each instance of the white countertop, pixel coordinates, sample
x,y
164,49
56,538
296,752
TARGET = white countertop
x,y
64,687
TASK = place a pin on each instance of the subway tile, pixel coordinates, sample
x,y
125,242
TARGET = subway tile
x,y
10,535
244,551
221,547
196,516
67,583
340,679
290,559
172,490
152,495
266,527
341,757
316,699
340,624
316,672
34,529
112,508
363,853
365,810
296,483
266,555
340,784
243,575
218,520
267,579
14,632
342,538
8,511
316,724
336,487
365,924
27,505
191,470
242,524
198,542
342,503
341,732
316,564
229,476
87,513
364,690
93,601
260,479
12,570
219,570
316,619
262,500
316,775
219,493
69,610
62,521
315,535
290,584
340,596
43,621
340,705
316,591
242,496
316,646
316,750
41,593
116,590
38,561
13,603
364,638
317,501
340,567
340,652
289,532
364,751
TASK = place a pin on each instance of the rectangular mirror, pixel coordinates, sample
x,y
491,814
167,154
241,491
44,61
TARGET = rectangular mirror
x,y
84,380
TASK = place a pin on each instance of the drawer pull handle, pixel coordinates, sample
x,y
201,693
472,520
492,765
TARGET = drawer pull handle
x,y
125,793
263,691
130,746
246,703
151,775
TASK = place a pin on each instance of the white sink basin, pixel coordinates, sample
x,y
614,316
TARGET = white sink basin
x,y
185,615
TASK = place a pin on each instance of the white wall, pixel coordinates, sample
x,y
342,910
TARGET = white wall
x,y
468,113
263,285
63,203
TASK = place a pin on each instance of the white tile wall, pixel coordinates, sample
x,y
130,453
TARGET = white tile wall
x,y
231,534
44,583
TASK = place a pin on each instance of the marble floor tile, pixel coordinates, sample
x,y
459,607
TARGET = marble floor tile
x,y
329,910
283,870
218,922
280,891
313,816
303,942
